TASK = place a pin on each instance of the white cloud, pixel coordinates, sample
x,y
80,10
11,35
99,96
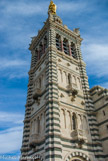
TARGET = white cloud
x,y
10,140
96,58
6,63
14,68
105,85
23,8
96,52
11,118
18,76
72,7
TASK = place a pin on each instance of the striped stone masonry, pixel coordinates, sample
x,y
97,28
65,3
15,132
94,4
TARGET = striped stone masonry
x,y
60,118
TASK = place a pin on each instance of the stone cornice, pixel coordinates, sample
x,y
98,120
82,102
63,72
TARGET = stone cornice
x,y
95,88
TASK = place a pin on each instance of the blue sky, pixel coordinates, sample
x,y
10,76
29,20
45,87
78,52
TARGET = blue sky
x,y
19,21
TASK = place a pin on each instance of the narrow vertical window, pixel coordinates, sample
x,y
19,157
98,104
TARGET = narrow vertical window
x,y
66,46
36,55
103,112
73,50
38,123
107,128
58,42
45,43
69,79
74,121
41,49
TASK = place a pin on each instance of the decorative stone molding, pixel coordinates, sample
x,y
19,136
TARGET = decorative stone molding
x,y
38,157
68,64
59,60
77,154
61,95
34,139
77,134
82,103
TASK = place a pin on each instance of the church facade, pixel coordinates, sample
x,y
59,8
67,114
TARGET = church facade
x,y
60,122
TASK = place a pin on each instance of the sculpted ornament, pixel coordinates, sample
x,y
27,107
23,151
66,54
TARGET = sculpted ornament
x,y
52,8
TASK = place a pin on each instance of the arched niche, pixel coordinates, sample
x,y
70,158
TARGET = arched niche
x,y
63,125
60,75
74,121
68,120
69,79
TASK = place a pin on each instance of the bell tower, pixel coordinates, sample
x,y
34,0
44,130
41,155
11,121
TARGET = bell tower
x,y
60,123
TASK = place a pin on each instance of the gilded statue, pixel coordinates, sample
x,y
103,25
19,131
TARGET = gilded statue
x,y
52,8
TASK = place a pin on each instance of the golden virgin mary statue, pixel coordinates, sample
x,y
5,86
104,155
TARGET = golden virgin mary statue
x,y
52,8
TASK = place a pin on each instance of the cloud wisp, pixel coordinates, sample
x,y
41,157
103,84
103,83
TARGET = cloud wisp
x,y
13,68
15,118
10,138
23,8
6,63
96,57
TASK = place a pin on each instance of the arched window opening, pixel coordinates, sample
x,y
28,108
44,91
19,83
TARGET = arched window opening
x,y
38,123
40,50
36,53
74,121
63,123
66,46
58,42
103,112
68,120
69,79
85,125
79,122
74,79
45,43
34,58
64,76
60,75
73,50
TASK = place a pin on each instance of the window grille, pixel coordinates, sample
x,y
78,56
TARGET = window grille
x,y
58,42
66,46
73,51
